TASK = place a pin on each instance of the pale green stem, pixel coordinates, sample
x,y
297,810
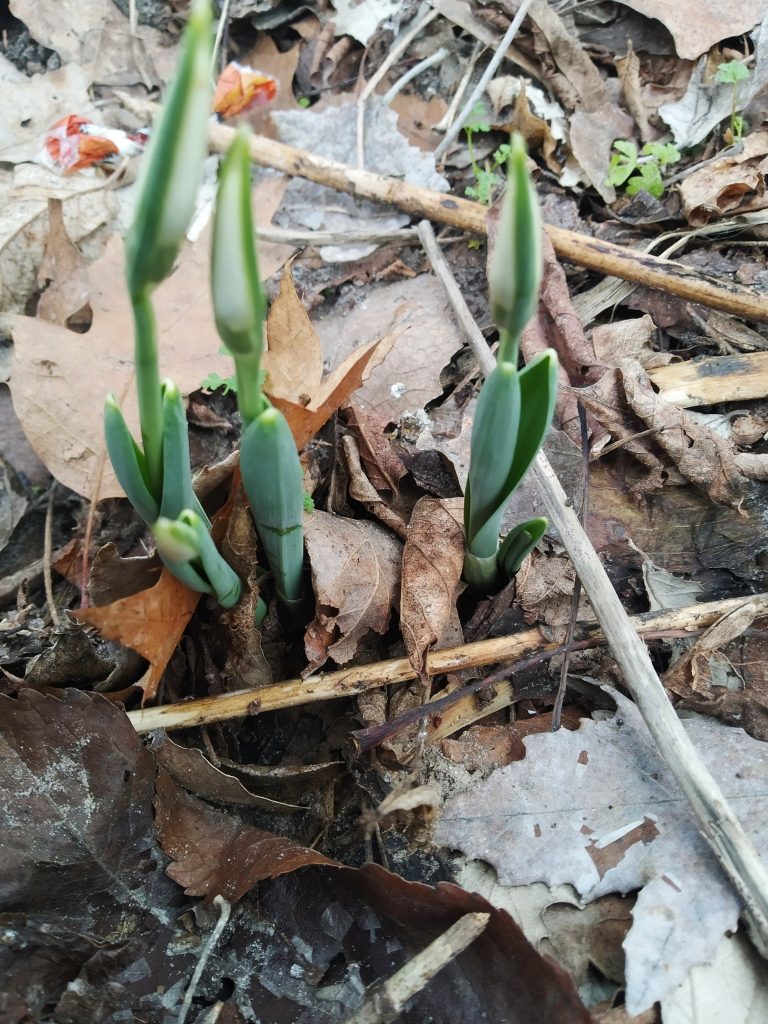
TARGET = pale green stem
x,y
250,400
148,390
509,347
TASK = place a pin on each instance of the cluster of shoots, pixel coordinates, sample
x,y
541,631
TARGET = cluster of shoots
x,y
515,407
157,476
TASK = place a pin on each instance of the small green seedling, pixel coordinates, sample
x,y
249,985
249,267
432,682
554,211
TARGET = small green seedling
x,y
157,476
515,408
486,177
731,74
641,171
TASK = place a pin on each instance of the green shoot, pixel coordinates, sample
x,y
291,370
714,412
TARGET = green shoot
x,y
486,177
641,171
731,74
515,408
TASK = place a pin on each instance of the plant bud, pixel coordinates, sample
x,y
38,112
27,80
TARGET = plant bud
x,y
515,270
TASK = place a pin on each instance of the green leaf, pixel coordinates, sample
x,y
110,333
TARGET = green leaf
x,y
623,162
274,484
178,493
492,449
477,121
731,72
128,462
664,153
214,381
648,180
519,543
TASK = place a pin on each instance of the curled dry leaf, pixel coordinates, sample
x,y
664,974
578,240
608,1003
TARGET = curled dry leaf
x,y
76,791
189,767
216,854
731,185
150,622
356,579
433,557
294,360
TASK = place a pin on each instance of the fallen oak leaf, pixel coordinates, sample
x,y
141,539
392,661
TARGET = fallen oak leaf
x,y
151,622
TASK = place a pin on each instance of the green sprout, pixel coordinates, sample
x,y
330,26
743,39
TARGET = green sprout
x,y
515,408
269,462
486,177
641,171
157,477
731,74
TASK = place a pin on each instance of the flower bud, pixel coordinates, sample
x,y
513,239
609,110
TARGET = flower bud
x,y
515,270
238,299
173,165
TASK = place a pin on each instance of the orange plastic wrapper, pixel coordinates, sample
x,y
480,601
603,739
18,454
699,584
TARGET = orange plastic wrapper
x,y
240,88
75,142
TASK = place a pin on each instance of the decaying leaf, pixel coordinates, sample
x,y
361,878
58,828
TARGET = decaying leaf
x,y
417,315
79,841
696,25
621,339
87,207
32,105
62,272
215,854
592,135
356,579
294,360
150,622
598,808
433,557
733,184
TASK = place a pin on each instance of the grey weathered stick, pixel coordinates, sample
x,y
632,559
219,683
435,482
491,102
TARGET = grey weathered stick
x,y
386,1002
719,825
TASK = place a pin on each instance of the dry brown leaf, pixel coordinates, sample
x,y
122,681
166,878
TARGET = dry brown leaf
x,y
624,339
696,25
433,558
334,390
215,854
61,407
733,184
591,136
424,336
545,589
96,36
356,579
383,466
151,622
635,99
191,769
361,489
416,118
701,456
62,272
294,359
577,82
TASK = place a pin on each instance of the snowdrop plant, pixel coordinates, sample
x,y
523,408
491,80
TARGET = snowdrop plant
x,y
515,407
269,462
157,477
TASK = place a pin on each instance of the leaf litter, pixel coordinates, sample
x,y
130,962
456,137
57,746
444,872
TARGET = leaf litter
x,y
270,810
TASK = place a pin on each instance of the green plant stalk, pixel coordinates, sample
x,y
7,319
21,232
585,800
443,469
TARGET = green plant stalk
x,y
178,493
274,484
250,400
148,390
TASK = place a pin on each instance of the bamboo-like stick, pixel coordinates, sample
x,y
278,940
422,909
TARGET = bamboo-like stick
x,y
350,681
592,253
719,825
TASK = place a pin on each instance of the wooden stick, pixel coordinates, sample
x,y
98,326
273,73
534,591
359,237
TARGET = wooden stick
x,y
719,825
350,681
604,257
719,379
388,999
